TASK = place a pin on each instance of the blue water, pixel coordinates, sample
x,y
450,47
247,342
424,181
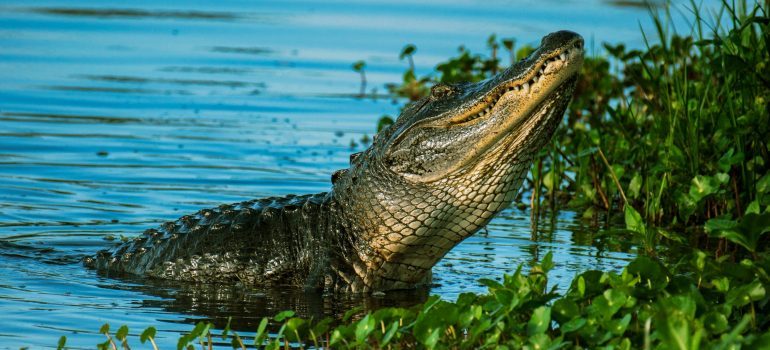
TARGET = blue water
x,y
116,116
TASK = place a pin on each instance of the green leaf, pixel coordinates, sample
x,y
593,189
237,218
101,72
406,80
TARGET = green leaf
x,y
674,323
283,315
549,180
610,302
539,341
547,263
200,330
182,342
348,314
337,338
718,224
753,207
506,298
105,328
358,66
746,233
715,322
122,333
384,122
392,329
686,205
408,50
745,294
227,328
508,43
261,335
432,339
148,334
573,325
635,186
364,327
634,221
618,327
704,186
721,284
729,159
581,286
62,343
763,185
296,329
491,284
564,310
540,320
322,326
653,276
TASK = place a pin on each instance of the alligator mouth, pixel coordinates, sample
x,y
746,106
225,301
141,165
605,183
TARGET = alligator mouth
x,y
564,63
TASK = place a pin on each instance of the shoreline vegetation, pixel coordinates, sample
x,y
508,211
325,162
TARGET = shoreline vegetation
x,y
674,138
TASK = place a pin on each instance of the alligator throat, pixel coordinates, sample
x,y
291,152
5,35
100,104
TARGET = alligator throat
x,y
449,163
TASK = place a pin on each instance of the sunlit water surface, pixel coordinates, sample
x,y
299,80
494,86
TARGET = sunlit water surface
x,y
115,117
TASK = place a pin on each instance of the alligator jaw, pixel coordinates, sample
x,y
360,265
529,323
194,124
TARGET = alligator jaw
x,y
458,128
514,107
543,78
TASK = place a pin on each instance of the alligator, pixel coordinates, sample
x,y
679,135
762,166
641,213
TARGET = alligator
x,y
438,174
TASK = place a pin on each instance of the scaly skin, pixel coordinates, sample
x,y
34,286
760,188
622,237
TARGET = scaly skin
x,y
448,164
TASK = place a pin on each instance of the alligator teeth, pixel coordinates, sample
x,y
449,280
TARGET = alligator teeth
x,y
563,56
525,87
542,71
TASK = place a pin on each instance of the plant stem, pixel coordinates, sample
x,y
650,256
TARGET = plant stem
x,y
614,178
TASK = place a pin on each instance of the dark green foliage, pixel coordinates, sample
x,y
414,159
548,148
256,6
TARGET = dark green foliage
x,y
678,130
699,302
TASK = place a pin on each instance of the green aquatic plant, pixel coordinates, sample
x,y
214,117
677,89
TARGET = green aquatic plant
x,y
699,302
359,66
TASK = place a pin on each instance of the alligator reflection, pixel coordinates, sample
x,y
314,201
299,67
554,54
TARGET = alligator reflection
x,y
248,305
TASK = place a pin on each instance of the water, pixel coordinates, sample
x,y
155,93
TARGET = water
x,y
115,117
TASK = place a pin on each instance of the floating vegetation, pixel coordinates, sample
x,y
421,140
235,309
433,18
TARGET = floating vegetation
x,y
699,302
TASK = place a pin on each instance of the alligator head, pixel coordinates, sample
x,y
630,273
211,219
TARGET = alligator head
x,y
449,163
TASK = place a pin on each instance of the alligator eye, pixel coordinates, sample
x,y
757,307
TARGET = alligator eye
x,y
441,90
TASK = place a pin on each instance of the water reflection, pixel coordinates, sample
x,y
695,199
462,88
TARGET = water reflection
x,y
243,50
106,13
248,305
141,80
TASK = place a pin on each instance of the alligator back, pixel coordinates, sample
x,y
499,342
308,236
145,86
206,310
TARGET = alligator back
x,y
269,241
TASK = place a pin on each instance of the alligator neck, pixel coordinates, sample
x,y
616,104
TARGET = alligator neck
x,y
397,231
